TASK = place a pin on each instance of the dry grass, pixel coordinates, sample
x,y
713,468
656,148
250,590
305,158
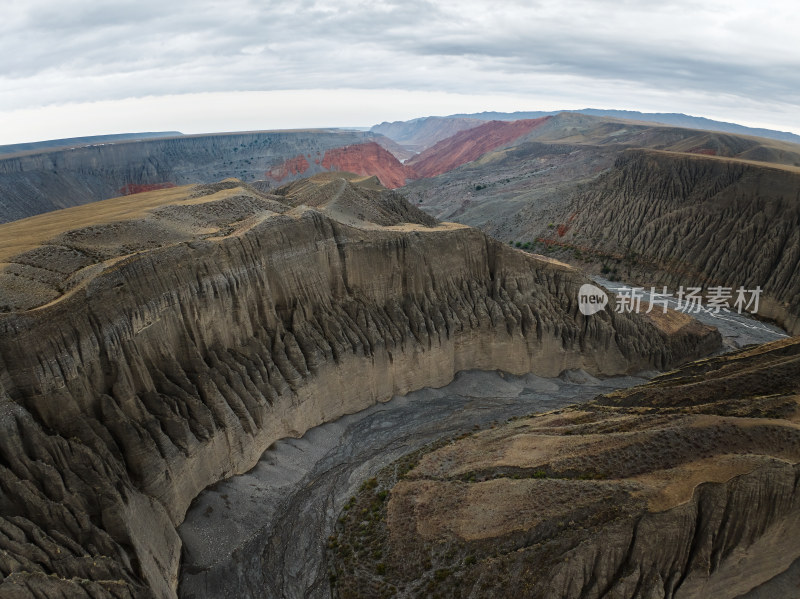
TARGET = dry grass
x,y
26,234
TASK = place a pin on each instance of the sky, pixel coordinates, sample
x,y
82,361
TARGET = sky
x,y
87,67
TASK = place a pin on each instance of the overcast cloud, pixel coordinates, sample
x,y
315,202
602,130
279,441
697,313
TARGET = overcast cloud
x,y
733,60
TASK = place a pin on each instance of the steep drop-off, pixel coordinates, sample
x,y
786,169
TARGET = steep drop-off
x,y
685,488
159,343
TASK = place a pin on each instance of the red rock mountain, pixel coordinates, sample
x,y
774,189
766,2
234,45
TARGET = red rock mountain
x,y
468,145
367,159
371,158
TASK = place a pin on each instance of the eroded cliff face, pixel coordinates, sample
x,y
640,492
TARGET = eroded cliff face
x,y
685,487
696,221
163,349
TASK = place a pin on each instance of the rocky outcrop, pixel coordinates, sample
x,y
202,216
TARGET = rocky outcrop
x,y
351,199
41,181
468,145
685,487
163,350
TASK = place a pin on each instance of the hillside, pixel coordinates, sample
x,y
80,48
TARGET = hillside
x,y
674,219
466,146
153,345
44,180
685,211
669,118
420,134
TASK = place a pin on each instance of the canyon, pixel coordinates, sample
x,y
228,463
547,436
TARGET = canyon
x,y
42,179
155,344
227,367
659,206
685,486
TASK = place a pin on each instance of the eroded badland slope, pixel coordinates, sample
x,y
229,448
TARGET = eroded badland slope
x,y
649,204
155,344
685,487
45,179
696,221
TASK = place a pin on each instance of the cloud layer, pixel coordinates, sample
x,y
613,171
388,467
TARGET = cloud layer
x,y
736,59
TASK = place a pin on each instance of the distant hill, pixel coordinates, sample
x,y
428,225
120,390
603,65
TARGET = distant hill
x,y
664,118
83,141
37,181
420,134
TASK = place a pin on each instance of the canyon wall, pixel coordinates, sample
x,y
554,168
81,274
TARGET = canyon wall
x,y
684,487
696,221
162,370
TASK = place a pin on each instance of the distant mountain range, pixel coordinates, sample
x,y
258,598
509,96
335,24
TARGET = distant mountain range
x,y
665,118
83,141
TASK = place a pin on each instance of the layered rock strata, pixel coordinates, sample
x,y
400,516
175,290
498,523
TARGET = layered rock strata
x,y
156,345
685,487
45,179
696,221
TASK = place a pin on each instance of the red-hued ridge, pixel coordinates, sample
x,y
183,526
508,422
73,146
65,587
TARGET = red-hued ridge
x,y
466,146
372,159
367,159
294,166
